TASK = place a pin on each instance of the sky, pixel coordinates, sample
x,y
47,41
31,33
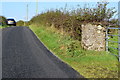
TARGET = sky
x,y
58,0
18,9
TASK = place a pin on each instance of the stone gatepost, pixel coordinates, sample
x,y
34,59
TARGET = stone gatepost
x,y
93,37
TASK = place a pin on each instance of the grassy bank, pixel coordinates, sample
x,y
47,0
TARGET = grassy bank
x,y
0,27
90,64
3,26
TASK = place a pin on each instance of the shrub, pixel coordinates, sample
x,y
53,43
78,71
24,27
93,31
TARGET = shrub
x,y
3,20
20,23
70,21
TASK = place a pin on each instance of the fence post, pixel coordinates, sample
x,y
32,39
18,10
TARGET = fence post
x,y
106,39
119,44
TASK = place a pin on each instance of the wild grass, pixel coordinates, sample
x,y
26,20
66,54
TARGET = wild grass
x,y
0,27
3,26
90,64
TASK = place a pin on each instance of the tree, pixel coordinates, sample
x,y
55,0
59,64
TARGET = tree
x,y
102,13
2,20
20,23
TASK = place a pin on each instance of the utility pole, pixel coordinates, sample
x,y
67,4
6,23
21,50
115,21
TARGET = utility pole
x,y
27,13
36,7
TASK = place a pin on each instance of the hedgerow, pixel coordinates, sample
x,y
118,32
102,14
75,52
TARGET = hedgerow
x,y
70,21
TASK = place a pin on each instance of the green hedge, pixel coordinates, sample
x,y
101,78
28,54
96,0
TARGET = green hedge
x,y
3,21
70,21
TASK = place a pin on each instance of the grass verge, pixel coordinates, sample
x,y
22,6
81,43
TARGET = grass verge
x,y
90,64
0,27
3,26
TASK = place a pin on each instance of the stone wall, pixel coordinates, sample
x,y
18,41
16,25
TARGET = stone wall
x,y
93,37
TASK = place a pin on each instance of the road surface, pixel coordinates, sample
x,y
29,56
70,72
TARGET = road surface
x,y
24,56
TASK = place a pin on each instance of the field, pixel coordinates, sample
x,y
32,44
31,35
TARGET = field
x,y
113,45
90,64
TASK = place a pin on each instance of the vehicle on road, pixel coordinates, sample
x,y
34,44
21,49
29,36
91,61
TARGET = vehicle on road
x,y
11,22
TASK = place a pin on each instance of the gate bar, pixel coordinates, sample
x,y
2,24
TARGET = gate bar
x,y
114,41
112,35
107,40
113,48
113,28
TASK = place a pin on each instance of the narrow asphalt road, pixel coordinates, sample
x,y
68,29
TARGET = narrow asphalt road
x,y
24,56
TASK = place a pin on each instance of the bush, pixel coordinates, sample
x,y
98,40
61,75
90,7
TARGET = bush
x,y
3,21
70,21
20,23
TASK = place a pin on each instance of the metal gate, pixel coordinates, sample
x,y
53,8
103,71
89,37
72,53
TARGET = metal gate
x,y
112,41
